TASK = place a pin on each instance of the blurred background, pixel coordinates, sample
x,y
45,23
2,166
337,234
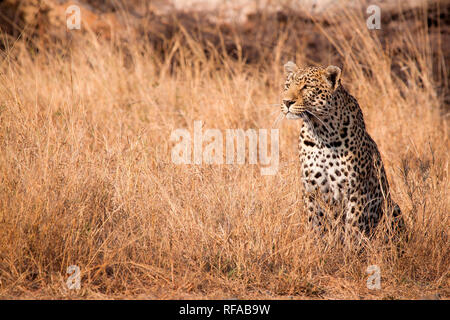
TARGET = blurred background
x,y
249,29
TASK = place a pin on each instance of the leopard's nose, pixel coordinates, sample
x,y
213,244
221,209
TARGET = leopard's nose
x,y
288,103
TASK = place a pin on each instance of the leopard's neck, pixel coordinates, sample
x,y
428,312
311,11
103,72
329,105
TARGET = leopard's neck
x,y
346,124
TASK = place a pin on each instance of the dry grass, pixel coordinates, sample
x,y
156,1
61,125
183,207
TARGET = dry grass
x,y
86,176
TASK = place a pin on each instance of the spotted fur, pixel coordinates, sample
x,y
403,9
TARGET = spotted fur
x,y
340,163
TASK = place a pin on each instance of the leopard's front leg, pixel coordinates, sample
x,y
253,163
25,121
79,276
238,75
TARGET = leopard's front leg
x,y
315,212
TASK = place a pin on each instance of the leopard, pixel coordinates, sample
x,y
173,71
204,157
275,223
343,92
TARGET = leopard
x,y
341,167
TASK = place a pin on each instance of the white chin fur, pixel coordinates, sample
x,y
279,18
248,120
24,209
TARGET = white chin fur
x,y
291,116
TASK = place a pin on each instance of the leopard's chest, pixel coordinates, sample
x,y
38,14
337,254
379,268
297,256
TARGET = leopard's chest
x,y
324,169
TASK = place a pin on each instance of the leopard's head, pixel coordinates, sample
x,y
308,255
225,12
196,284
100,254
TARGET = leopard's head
x,y
309,90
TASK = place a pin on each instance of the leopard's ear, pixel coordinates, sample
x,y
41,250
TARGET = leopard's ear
x,y
333,75
290,67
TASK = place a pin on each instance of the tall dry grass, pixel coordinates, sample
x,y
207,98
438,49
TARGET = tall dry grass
x,y
87,178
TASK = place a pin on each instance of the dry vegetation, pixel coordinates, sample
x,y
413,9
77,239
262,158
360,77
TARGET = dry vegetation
x,y
86,176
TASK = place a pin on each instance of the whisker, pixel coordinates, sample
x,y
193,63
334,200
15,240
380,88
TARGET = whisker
x,y
274,112
271,105
309,122
326,126
277,121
